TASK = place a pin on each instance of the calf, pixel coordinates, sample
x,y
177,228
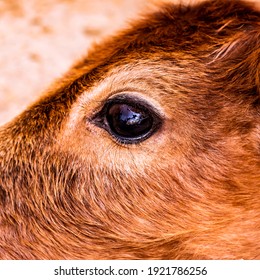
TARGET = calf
x,y
148,148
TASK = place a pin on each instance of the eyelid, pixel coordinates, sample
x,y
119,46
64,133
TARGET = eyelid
x,y
132,98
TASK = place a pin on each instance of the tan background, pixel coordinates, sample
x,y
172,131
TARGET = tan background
x,y
40,39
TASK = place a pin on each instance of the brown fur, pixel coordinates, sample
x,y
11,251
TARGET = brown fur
x,y
68,190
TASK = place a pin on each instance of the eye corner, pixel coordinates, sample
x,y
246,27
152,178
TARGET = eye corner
x,y
98,118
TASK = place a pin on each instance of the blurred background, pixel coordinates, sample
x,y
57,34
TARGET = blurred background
x,y
40,40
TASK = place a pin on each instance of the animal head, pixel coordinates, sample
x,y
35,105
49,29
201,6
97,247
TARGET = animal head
x,y
148,148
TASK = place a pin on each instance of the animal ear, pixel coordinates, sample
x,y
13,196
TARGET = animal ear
x,y
237,65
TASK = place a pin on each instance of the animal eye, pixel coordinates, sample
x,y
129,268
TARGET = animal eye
x,y
129,121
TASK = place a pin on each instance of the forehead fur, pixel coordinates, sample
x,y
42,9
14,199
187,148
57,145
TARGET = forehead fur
x,y
183,30
180,28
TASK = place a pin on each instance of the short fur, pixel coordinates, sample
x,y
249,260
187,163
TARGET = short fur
x,y
68,190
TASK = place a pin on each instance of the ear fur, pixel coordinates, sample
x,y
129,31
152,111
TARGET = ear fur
x,y
238,62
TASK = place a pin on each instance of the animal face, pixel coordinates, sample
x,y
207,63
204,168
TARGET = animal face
x,y
148,148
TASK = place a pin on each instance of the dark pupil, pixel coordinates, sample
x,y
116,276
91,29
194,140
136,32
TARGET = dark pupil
x,y
127,121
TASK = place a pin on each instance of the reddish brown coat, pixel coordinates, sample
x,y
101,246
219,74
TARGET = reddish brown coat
x,y
68,190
